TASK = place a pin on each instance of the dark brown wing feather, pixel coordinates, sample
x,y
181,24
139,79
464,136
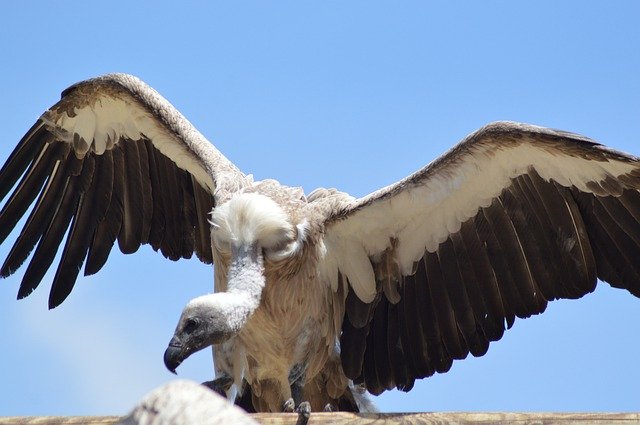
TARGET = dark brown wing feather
x,y
130,235
37,222
203,201
75,248
108,229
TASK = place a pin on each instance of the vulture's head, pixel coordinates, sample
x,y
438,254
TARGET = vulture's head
x,y
246,229
205,321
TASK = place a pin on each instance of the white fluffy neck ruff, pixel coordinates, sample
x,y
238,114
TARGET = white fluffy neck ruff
x,y
251,218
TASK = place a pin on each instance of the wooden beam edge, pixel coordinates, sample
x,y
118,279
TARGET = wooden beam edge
x,y
344,418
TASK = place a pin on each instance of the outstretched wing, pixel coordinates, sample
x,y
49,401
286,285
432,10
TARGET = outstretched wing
x,y
442,262
111,160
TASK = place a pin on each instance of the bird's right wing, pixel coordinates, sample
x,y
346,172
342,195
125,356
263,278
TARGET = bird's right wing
x,y
111,160
440,264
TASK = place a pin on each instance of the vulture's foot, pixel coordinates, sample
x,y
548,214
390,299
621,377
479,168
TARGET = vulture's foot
x,y
303,410
304,413
220,385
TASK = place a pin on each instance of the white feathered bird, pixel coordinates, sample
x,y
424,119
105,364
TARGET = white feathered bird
x,y
316,292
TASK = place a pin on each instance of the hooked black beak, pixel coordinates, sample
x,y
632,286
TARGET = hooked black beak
x,y
173,355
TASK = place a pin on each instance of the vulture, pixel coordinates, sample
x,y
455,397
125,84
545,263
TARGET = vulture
x,y
318,297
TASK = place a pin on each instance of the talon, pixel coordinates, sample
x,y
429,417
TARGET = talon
x,y
329,408
289,406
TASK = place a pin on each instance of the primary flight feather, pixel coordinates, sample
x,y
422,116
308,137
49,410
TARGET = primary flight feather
x,y
315,294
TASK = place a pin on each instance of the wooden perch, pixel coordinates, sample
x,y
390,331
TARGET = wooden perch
x,y
340,418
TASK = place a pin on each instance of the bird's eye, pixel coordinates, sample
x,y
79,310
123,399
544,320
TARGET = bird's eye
x,y
190,326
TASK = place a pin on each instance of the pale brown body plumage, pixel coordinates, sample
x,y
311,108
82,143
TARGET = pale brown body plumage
x,y
295,322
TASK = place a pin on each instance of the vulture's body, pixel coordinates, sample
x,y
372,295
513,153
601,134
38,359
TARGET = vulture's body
x,y
314,293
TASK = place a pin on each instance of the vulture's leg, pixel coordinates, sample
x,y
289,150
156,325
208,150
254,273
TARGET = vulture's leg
x,y
220,385
295,403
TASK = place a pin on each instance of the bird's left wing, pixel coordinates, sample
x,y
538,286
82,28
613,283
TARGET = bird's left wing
x,y
437,264
111,160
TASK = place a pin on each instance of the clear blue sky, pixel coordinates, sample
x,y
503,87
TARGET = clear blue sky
x,y
353,95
